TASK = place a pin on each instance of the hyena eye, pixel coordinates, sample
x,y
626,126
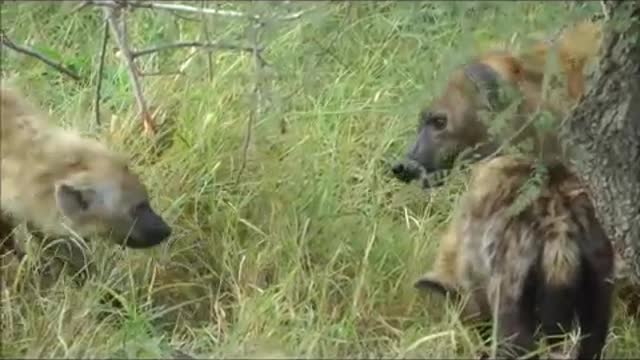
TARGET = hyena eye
x,y
438,121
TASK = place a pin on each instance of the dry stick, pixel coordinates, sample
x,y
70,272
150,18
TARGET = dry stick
x,y
117,23
160,73
187,8
80,6
105,38
212,45
205,32
258,63
33,53
174,7
605,11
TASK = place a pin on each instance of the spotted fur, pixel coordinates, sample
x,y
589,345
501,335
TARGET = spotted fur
x,y
540,265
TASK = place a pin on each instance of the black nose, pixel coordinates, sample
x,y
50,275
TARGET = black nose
x,y
162,233
398,169
150,236
405,171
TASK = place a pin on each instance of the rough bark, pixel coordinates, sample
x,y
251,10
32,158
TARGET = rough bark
x,y
603,131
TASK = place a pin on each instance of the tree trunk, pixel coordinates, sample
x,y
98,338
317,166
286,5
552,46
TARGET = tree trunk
x,y
603,132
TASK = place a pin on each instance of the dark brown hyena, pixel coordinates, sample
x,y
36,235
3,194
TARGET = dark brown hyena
x,y
543,264
459,119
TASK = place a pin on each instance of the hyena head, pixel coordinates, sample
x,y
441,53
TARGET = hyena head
x,y
100,195
455,121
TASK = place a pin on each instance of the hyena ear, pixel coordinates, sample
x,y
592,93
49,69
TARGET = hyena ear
x,y
431,282
485,80
73,201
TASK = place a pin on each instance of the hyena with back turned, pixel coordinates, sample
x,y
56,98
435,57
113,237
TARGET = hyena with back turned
x,y
545,263
551,260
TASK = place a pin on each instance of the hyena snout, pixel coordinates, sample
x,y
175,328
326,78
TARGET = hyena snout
x,y
148,230
407,170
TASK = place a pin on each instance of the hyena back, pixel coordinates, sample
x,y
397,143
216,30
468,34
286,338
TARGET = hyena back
x,y
545,264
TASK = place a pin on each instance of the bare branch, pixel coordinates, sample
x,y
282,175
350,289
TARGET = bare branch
x,y
605,11
184,17
105,39
191,9
258,64
171,7
203,10
80,6
117,24
33,53
178,45
160,73
205,33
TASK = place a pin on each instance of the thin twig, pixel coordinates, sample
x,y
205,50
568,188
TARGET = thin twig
x,y
605,11
105,39
184,17
178,45
78,7
33,53
187,8
258,64
207,37
117,23
160,73
172,7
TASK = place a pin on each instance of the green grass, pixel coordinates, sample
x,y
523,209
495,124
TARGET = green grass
x,y
313,252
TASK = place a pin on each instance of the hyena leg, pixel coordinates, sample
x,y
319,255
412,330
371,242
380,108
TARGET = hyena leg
x,y
516,320
64,256
442,279
557,309
594,314
515,332
71,259
7,240
477,312
594,306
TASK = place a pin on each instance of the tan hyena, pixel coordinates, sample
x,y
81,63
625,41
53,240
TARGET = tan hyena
x,y
59,182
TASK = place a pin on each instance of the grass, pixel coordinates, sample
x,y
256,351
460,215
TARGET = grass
x,y
313,252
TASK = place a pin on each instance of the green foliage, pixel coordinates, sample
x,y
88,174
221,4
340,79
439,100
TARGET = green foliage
x,y
315,250
530,190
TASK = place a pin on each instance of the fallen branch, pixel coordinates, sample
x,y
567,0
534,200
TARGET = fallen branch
x,y
188,44
33,53
117,23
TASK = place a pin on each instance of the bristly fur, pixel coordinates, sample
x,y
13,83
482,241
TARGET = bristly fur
x,y
59,182
539,266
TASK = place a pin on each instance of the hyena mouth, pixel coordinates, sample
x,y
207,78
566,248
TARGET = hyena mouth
x,y
434,178
407,170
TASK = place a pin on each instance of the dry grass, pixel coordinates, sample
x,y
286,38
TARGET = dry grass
x,y
314,252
